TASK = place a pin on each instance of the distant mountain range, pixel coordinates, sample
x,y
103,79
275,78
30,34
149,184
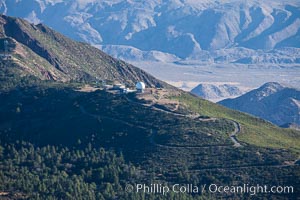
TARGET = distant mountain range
x,y
215,92
272,101
214,31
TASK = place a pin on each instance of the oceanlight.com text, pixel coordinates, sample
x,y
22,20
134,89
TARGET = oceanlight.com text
x,y
208,188
251,189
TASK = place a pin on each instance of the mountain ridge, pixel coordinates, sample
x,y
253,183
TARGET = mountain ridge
x,y
27,62
53,56
272,101
184,29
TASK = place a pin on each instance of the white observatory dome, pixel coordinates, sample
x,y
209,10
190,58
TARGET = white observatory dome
x,y
140,86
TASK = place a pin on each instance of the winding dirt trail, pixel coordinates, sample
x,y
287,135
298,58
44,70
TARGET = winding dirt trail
x,y
232,137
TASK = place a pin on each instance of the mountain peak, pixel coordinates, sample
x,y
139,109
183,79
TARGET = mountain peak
x,y
268,89
271,101
274,85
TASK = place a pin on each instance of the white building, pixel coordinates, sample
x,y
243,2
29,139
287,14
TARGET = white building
x,y
140,87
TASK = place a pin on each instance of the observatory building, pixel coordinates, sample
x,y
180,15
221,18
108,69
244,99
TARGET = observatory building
x,y
140,87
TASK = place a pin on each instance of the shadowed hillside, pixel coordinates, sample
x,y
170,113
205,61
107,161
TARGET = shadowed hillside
x,y
272,101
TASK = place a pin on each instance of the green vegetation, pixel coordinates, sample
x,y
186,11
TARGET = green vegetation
x,y
161,147
253,130
60,173
11,77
